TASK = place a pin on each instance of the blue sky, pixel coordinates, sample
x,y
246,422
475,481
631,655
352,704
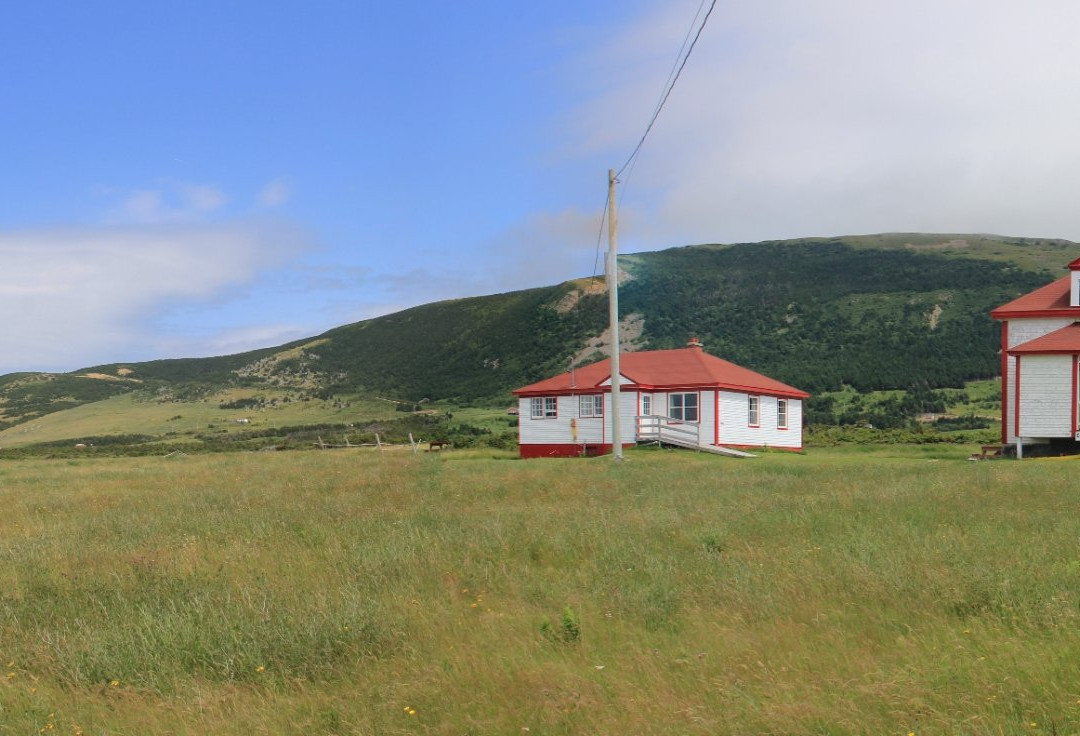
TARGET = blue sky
x,y
199,178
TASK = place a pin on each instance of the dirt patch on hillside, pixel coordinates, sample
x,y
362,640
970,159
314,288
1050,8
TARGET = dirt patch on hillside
x,y
631,328
107,377
935,316
586,287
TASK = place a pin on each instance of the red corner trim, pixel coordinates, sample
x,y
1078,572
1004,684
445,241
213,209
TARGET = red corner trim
x,y
1016,401
1004,382
1074,397
716,416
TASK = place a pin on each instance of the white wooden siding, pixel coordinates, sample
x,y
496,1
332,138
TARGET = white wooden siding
x,y
590,430
1046,396
559,431
735,427
1021,331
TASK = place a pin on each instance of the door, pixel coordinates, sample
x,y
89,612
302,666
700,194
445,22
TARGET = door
x,y
644,426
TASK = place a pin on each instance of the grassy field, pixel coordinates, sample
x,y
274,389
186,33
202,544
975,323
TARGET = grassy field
x,y
886,590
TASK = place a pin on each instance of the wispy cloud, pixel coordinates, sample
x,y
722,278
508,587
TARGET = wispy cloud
x,y
275,193
171,202
94,294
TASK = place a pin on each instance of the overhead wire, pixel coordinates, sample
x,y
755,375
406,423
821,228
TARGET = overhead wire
x,y
667,92
600,236
669,85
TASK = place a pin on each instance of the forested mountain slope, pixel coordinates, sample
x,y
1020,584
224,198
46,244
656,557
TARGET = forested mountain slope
x,y
873,312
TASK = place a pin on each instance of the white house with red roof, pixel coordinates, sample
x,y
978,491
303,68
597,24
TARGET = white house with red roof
x,y
682,397
1040,351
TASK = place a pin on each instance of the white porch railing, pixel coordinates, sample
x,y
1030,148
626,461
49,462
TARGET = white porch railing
x,y
670,431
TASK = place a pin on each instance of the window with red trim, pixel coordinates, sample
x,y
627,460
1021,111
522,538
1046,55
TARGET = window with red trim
x,y
544,407
683,407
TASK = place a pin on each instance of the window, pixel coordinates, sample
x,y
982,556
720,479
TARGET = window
x,y
591,406
684,407
646,405
544,407
781,413
752,411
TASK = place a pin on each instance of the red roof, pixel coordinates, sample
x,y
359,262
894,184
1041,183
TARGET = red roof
x,y
665,369
1051,300
1065,340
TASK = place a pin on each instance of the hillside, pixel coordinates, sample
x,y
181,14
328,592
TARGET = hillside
x,y
870,312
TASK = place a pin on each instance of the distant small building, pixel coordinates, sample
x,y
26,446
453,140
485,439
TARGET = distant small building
x,y
1040,354
684,397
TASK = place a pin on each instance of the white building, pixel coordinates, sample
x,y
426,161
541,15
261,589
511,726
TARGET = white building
x,y
1040,350
684,396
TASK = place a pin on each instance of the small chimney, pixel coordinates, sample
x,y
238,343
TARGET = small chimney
x,y
694,343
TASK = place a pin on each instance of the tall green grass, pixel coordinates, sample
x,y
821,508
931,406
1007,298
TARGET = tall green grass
x,y
352,592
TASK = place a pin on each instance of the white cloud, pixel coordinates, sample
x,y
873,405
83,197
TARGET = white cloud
x,y
275,193
546,248
202,197
826,117
77,296
171,202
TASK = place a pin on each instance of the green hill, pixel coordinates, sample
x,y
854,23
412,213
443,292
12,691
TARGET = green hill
x,y
870,312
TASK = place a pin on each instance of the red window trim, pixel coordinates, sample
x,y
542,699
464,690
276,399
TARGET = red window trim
x,y
684,393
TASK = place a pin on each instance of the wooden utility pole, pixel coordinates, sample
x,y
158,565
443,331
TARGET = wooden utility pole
x,y
613,318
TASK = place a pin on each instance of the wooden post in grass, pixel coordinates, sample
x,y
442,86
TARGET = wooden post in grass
x,y
377,442
411,442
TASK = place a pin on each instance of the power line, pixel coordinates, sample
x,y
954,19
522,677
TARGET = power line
x,y
600,237
670,87
670,81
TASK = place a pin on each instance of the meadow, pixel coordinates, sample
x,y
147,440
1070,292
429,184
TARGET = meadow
x,y
887,590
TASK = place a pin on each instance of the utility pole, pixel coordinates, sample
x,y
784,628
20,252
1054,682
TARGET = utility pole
x,y
613,318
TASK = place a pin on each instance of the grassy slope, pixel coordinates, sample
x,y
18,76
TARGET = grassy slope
x,y
129,414
840,593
